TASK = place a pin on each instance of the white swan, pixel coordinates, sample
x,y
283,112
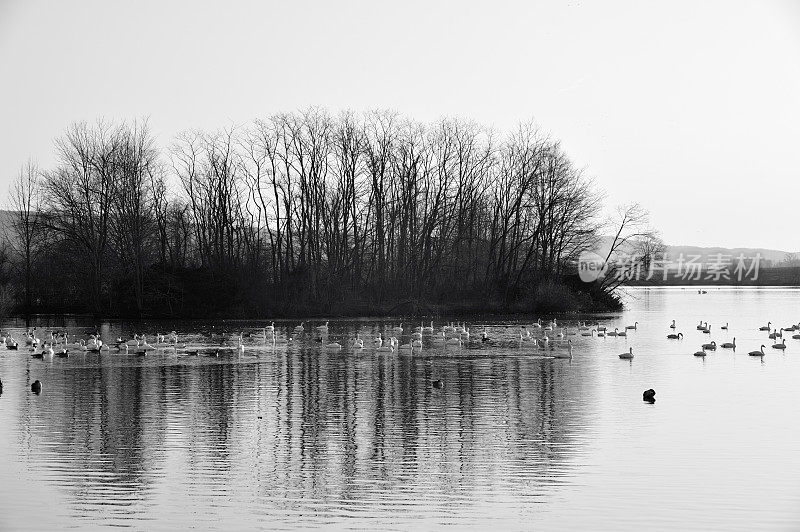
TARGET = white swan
x,y
387,348
568,354
454,341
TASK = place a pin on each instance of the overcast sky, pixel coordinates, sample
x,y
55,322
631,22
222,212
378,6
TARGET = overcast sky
x,y
690,108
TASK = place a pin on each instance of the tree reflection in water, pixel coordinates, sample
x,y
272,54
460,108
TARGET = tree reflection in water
x,y
297,433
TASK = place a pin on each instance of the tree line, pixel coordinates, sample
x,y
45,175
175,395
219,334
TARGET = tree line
x,y
300,213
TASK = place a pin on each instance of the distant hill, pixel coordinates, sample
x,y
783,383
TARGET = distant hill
x,y
769,257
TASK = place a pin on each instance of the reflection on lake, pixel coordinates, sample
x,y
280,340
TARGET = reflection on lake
x,y
292,435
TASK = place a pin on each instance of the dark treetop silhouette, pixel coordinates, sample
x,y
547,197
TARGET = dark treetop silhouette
x,y
302,213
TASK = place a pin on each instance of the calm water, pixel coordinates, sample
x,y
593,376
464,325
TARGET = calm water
x,y
294,436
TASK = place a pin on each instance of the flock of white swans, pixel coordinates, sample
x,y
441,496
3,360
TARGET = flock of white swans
x,y
550,336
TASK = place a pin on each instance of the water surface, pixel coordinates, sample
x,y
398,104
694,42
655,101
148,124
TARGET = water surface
x,y
292,435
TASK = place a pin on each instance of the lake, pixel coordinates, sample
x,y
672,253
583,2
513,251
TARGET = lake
x,y
289,434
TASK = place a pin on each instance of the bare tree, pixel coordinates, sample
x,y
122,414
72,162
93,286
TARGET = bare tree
x,y
631,226
648,248
79,195
27,222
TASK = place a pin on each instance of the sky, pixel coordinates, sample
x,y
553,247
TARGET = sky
x,y
690,108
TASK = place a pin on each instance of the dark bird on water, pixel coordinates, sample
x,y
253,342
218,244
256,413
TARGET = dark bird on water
x,y
36,387
649,396
438,383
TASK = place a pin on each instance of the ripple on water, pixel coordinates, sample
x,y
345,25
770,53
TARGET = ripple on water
x,y
292,435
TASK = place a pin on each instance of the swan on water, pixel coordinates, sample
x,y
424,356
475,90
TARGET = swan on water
x,y
567,354
759,353
729,345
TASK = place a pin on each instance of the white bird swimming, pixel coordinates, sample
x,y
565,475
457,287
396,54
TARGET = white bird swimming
x,y
568,353
387,348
